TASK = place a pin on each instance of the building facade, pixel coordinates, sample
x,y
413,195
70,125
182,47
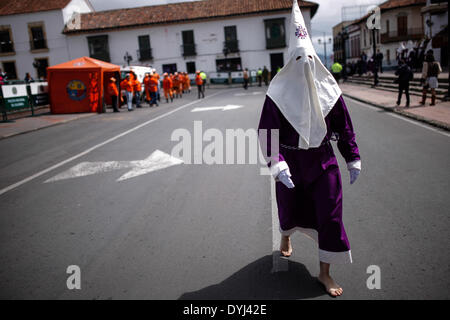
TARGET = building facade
x,y
435,18
31,36
401,22
226,36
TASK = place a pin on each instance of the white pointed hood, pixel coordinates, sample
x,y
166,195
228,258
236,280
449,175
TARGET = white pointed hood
x,y
304,90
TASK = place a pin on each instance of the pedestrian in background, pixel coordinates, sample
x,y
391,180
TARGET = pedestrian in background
x,y
147,87
167,87
153,90
430,72
127,85
265,75
405,75
259,76
113,93
137,88
336,69
199,82
28,78
204,77
246,77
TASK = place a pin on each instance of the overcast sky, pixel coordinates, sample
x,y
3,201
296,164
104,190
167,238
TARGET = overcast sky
x,y
328,15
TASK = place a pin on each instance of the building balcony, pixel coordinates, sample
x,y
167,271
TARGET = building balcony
x,y
274,43
38,44
144,54
405,35
6,47
188,49
231,46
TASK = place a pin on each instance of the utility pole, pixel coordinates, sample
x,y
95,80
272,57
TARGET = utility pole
x,y
374,57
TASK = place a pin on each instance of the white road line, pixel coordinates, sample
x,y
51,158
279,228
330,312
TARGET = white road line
x,y
40,173
278,262
417,123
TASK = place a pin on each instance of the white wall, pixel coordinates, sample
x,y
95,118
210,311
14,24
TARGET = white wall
x,y
56,42
209,36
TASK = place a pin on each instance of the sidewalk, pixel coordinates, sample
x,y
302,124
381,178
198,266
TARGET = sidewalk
x,y
23,125
438,115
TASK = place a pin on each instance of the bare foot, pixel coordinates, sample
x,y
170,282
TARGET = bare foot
x,y
285,246
332,288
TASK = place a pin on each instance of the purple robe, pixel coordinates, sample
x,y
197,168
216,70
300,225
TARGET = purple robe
x,y
314,206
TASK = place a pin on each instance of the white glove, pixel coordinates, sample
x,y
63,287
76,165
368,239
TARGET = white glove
x,y
354,168
285,177
354,173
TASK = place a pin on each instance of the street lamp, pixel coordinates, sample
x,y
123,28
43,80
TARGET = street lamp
x,y
374,57
127,58
324,46
344,36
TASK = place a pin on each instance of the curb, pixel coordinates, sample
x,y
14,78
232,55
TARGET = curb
x,y
47,126
434,123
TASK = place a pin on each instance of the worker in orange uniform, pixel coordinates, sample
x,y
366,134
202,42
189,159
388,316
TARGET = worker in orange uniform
x,y
113,93
199,82
188,82
127,85
147,87
156,74
153,90
176,84
167,87
137,88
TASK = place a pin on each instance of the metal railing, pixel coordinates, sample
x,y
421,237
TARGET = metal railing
x,y
231,46
144,54
6,47
188,49
273,43
402,35
37,44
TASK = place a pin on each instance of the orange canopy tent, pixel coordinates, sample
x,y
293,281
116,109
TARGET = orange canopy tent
x,y
80,85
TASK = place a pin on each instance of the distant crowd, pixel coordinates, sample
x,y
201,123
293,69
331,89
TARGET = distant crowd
x,y
134,92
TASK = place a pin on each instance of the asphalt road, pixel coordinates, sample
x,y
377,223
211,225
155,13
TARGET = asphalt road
x,y
198,231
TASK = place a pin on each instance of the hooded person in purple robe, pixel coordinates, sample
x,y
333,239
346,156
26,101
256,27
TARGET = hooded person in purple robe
x,y
304,110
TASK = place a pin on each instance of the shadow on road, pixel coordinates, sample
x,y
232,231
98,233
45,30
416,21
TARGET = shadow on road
x,y
255,281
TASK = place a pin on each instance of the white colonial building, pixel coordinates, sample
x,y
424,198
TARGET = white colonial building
x,y
211,35
31,35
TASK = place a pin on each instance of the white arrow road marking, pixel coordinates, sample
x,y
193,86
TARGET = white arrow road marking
x,y
223,108
156,161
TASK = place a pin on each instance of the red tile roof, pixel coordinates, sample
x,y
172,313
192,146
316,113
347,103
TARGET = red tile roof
x,y
182,12
8,7
392,4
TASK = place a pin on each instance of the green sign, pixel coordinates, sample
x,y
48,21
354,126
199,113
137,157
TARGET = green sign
x,y
16,103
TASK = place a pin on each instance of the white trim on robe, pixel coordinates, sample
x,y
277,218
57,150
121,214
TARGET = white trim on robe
x,y
324,256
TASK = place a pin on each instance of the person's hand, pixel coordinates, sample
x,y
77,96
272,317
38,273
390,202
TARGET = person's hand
x,y
285,178
354,173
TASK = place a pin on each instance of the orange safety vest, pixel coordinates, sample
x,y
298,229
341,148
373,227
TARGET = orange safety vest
x,y
167,83
198,80
153,84
137,86
112,89
127,85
